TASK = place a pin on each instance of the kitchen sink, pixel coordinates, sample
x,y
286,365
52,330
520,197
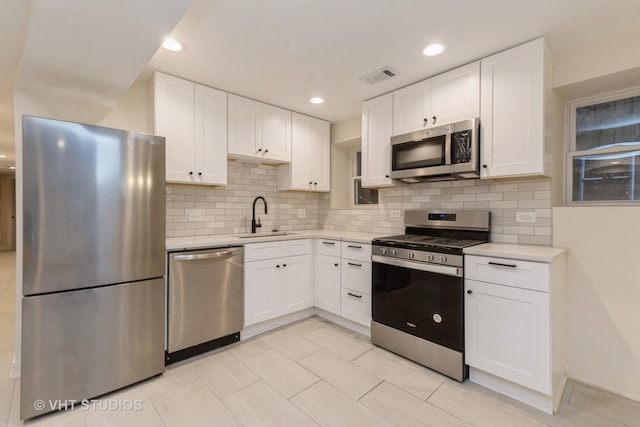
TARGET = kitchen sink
x,y
270,234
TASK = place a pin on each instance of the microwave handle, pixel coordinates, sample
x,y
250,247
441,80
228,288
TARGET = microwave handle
x,y
447,149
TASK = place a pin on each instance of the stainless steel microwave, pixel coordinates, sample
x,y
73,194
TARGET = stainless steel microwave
x,y
441,153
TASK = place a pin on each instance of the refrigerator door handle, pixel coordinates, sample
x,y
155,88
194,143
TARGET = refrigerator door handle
x,y
203,256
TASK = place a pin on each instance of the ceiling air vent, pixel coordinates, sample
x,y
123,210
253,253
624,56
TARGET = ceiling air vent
x,y
379,75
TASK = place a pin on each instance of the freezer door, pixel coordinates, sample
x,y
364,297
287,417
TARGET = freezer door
x,y
94,206
82,344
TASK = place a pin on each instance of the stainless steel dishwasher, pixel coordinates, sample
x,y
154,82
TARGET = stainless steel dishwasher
x,y
205,301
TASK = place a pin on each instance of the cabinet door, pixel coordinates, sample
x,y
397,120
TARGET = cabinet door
x,y
377,123
301,153
296,283
507,333
210,136
455,95
512,114
412,108
356,306
261,291
320,156
327,283
245,127
174,119
276,133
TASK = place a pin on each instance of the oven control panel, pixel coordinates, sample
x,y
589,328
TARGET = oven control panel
x,y
418,255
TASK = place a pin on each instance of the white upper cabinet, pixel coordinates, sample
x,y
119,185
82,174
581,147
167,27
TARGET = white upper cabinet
x,y
377,127
447,98
310,155
210,135
258,131
193,119
276,133
412,108
514,84
455,95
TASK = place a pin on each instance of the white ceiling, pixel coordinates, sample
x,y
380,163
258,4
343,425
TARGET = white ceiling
x,y
281,52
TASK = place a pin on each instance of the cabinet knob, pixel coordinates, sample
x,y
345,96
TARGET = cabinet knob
x,y
199,173
190,173
259,149
469,291
278,266
336,264
426,122
386,176
434,119
315,183
266,151
284,265
310,182
484,166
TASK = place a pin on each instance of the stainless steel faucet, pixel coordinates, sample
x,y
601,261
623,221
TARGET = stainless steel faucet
x,y
256,224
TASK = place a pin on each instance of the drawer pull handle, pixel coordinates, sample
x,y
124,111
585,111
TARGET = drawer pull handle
x,y
328,243
354,246
499,264
354,264
354,295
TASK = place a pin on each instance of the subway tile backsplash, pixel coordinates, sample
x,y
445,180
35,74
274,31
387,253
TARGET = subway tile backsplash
x,y
195,210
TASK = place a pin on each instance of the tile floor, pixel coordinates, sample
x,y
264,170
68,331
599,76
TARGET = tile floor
x,y
309,373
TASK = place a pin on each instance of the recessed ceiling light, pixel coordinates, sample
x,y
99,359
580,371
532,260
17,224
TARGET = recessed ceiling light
x,y
12,167
3,156
433,49
172,44
316,100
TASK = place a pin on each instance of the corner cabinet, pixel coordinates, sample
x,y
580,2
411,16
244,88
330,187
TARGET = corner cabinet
x,y
514,339
514,86
258,131
377,128
193,119
309,169
446,98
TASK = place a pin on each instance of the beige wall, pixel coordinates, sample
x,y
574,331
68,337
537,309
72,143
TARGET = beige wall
x,y
603,295
7,212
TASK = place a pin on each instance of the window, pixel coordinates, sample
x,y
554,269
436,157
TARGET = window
x,y
603,163
360,196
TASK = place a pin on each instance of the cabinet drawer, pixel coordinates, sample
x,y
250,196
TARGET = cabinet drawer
x,y
356,275
356,251
356,306
328,247
509,272
258,251
295,247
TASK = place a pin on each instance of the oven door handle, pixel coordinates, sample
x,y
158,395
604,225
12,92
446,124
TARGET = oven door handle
x,y
439,269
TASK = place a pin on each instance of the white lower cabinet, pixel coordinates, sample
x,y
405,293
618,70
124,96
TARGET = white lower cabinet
x,y
275,285
514,332
343,279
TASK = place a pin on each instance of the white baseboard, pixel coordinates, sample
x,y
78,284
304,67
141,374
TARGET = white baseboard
x,y
356,327
16,369
515,391
268,325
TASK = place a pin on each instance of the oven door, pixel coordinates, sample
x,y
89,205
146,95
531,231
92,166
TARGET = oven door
x,y
420,299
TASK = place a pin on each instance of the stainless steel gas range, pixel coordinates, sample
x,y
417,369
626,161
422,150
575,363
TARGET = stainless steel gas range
x,y
418,286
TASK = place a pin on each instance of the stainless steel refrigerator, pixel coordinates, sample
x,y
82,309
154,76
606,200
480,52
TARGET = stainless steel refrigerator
x,y
93,296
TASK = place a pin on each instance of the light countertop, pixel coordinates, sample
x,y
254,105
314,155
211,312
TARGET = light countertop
x,y
200,242
519,252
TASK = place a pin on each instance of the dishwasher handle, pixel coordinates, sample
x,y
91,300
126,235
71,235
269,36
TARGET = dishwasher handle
x,y
194,257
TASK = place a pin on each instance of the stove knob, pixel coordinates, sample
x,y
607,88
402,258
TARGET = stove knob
x,y
410,255
430,258
392,252
442,259
383,251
